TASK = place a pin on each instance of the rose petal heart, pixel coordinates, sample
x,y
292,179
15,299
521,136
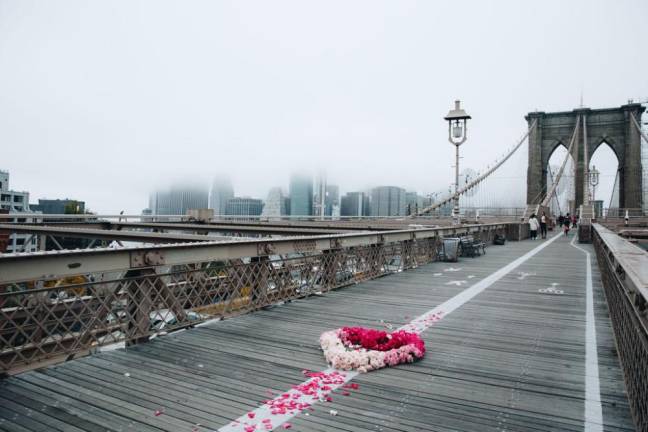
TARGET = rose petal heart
x,y
365,349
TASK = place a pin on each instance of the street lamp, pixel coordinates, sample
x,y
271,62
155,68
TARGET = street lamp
x,y
457,128
594,180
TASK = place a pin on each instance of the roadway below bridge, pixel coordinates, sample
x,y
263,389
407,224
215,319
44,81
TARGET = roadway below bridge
x,y
524,344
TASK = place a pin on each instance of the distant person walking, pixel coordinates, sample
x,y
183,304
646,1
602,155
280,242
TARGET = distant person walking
x,y
561,220
543,225
566,224
533,227
575,221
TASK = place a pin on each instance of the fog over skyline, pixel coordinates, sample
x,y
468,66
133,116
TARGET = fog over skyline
x,y
105,101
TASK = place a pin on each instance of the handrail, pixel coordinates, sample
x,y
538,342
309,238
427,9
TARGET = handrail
x,y
56,305
631,258
35,265
624,271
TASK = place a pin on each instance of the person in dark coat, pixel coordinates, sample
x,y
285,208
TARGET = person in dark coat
x,y
566,224
561,220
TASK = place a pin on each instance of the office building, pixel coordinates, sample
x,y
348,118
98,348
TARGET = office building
x,y
332,200
16,202
413,203
69,207
388,201
178,199
319,195
275,205
221,192
244,207
354,204
59,206
301,195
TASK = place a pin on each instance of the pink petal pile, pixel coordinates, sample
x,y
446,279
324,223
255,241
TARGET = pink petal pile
x,y
423,322
298,399
362,349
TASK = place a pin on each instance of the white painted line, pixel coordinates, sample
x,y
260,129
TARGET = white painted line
x,y
593,409
421,323
257,419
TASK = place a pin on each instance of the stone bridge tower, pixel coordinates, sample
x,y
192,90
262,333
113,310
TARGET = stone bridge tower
x,y
613,126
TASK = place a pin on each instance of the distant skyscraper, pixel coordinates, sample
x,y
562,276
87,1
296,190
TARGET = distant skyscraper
x,y
301,195
388,201
355,204
319,195
332,199
412,202
221,192
178,199
244,207
59,206
275,205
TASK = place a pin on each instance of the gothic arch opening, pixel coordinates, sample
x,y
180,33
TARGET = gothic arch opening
x,y
605,194
562,201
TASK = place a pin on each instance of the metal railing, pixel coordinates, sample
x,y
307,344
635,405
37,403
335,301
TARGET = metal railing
x,y
55,305
620,213
623,270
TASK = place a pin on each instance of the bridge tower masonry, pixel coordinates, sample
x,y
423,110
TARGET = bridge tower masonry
x,y
613,126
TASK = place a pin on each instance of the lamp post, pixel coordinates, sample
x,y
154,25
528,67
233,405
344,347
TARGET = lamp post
x,y
594,180
457,128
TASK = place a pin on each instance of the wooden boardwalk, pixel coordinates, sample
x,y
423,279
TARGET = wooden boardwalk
x,y
511,358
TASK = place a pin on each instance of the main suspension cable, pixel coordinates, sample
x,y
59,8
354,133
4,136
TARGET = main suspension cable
x,y
479,179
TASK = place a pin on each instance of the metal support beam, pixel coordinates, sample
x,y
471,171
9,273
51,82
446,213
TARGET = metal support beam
x,y
36,266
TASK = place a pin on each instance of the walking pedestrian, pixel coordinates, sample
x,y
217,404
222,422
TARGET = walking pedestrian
x,y
543,225
533,227
575,221
566,224
561,220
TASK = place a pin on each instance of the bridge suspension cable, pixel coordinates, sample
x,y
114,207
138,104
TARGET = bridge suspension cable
x,y
555,195
480,178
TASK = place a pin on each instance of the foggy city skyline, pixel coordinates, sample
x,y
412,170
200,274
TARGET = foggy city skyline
x,y
106,102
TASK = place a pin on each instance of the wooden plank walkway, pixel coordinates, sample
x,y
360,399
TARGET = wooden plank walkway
x,y
512,358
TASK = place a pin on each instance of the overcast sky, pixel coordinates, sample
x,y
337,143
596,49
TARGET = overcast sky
x,y
103,100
